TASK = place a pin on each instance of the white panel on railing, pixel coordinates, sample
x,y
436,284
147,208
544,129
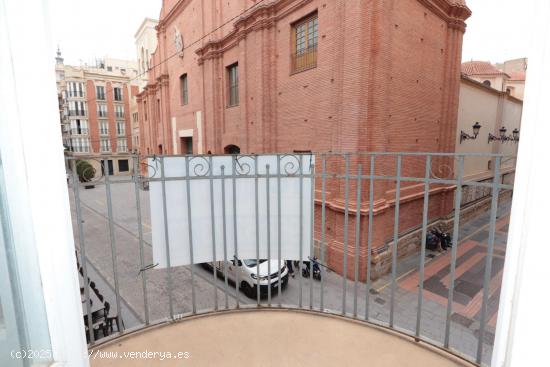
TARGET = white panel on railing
x,y
244,171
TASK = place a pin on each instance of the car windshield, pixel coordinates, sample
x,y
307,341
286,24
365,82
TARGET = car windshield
x,y
252,262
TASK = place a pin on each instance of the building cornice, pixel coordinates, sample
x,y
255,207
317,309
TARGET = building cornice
x,y
261,17
479,85
151,89
452,12
144,25
163,79
176,9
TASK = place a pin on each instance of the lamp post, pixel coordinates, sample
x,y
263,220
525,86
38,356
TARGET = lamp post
x,y
503,137
464,136
515,134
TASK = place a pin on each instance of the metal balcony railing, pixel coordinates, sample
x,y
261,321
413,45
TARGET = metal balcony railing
x,y
79,113
75,94
81,131
304,59
372,223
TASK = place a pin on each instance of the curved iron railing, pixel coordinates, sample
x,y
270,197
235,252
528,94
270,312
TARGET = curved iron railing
x,y
350,191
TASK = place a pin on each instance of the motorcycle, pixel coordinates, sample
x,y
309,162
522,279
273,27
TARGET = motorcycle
x,y
446,240
316,269
436,239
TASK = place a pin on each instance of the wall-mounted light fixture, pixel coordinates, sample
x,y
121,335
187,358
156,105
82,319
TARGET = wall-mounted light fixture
x,y
503,137
465,136
515,134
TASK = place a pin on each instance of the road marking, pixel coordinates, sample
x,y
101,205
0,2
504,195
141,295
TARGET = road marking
x,y
430,260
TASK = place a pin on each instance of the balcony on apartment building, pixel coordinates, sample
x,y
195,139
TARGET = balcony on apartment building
x,y
79,113
400,258
75,94
272,337
431,307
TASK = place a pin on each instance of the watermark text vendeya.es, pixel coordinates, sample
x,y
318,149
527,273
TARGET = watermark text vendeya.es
x,y
146,354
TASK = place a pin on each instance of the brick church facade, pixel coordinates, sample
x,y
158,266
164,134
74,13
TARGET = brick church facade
x,y
313,75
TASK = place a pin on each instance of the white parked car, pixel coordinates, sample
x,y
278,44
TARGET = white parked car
x,y
248,279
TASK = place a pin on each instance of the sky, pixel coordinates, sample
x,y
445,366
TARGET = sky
x,y
498,30
86,29
90,29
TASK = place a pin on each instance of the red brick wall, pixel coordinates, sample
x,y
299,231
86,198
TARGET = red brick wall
x,y
386,80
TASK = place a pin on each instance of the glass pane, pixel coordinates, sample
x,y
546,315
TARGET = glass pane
x,y
300,37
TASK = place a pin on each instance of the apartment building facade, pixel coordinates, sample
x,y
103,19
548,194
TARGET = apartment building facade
x,y
146,44
95,105
308,75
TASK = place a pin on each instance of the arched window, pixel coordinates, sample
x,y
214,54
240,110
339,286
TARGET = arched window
x,y
487,83
231,149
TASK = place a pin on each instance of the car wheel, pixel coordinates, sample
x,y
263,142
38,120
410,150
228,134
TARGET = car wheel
x,y
248,290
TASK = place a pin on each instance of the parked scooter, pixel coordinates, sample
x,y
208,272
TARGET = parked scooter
x,y
316,269
436,240
445,238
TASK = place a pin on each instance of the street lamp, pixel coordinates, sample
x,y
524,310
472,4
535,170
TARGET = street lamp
x,y
515,134
502,132
465,136
503,137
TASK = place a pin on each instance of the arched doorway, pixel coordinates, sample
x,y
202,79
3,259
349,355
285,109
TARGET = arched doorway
x,y
231,149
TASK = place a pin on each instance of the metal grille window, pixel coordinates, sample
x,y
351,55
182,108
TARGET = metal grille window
x,y
100,92
119,111
121,145
304,38
120,128
105,145
184,90
101,110
233,85
118,93
103,127
79,127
